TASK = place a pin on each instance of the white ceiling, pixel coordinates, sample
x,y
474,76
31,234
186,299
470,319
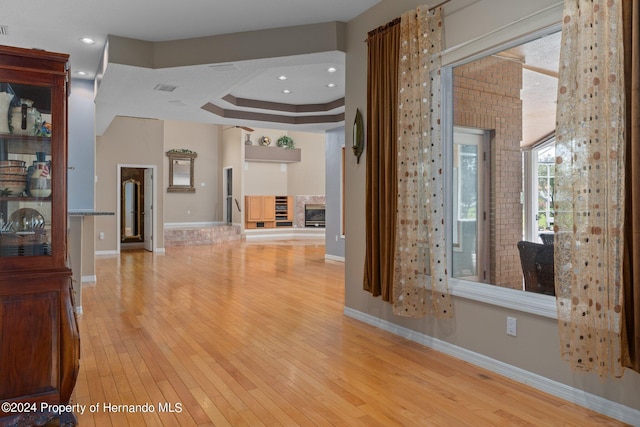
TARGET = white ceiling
x,y
540,61
58,25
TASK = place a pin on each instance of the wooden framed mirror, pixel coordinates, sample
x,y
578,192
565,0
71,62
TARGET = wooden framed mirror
x,y
181,166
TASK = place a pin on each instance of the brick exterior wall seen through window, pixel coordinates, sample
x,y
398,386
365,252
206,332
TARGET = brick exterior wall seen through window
x,y
487,96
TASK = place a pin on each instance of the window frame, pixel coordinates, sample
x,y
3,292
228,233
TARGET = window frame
x,y
527,29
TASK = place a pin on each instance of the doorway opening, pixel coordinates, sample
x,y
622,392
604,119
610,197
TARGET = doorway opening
x,y
136,201
227,179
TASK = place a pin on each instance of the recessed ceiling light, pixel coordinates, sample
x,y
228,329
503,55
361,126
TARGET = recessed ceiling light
x,y
81,73
87,40
282,78
331,85
332,69
286,91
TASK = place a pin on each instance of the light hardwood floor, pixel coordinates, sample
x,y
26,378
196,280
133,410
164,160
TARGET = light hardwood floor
x,y
247,334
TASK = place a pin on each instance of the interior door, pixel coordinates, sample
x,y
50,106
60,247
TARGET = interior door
x,y
148,209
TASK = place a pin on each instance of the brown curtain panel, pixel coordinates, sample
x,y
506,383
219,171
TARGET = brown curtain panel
x,y
631,266
381,193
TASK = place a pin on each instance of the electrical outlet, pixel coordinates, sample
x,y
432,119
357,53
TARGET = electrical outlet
x,y
511,326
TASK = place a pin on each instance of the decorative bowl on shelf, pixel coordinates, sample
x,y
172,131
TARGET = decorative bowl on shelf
x,y
12,163
12,170
12,176
265,140
26,219
12,188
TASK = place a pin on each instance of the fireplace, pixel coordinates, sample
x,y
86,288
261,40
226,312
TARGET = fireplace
x,y
314,215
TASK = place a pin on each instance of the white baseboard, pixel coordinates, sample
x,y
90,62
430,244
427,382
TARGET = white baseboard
x,y
570,394
284,233
334,258
112,252
86,279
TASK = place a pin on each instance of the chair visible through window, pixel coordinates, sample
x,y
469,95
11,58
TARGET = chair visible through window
x,y
537,267
547,237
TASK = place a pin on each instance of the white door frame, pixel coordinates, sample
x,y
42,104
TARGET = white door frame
x,y
148,207
154,216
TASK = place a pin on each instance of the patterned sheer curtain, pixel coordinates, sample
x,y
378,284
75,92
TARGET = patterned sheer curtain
x,y
589,186
420,272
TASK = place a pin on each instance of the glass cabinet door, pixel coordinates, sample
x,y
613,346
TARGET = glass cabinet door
x,y
26,170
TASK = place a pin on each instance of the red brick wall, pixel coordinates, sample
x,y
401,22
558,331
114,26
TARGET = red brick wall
x,y
487,96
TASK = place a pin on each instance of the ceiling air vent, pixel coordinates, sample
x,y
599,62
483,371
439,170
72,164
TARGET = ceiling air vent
x,y
223,67
4,30
165,88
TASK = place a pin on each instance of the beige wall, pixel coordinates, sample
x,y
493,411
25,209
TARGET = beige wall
x,y
205,205
477,327
129,141
264,178
308,176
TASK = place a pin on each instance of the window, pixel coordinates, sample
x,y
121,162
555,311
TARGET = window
x,y
545,162
502,158
540,162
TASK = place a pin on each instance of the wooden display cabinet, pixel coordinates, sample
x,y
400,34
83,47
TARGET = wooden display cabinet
x,y
268,211
39,340
260,211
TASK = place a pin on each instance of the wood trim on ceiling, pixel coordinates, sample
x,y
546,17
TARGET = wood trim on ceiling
x,y
276,118
278,106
